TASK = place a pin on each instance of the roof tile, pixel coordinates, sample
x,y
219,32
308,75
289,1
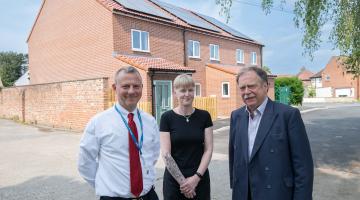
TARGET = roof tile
x,y
152,63
231,69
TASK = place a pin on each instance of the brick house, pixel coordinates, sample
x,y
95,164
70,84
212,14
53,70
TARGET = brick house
x,y
316,81
304,75
337,80
85,39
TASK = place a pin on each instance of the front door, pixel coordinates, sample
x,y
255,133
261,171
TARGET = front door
x,y
163,98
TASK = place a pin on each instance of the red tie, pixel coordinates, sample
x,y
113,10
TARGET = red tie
x,y
136,181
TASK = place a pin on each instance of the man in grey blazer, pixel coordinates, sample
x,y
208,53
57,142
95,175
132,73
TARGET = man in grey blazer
x,y
269,152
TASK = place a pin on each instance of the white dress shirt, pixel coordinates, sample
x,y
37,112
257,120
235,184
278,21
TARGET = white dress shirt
x,y
104,152
254,123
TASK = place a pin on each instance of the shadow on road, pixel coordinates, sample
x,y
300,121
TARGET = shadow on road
x,y
335,143
49,188
331,185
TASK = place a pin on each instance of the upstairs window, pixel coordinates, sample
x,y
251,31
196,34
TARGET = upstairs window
x,y
327,77
240,56
194,49
253,58
214,52
140,40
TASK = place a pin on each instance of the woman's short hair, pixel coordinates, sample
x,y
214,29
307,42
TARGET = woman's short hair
x,y
183,80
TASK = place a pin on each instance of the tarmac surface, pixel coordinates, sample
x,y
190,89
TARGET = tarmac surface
x,y
40,163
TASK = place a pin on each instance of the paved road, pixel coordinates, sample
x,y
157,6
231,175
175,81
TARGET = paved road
x,y
334,134
40,163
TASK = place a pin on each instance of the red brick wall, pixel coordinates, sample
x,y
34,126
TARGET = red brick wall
x,y
225,105
11,103
271,92
167,42
71,40
67,105
78,43
227,54
164,41
339,78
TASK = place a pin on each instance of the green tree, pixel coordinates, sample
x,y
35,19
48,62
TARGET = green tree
x,y
10,67
267,69
312,92
311,15
296,88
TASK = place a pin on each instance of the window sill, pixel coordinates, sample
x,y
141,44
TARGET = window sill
x,y
215,61
139,50
194,58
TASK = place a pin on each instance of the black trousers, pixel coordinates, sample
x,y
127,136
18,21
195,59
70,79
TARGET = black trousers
x,y
249,194
151,195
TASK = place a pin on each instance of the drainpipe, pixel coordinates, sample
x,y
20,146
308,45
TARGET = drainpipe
x,y
185,52
152,93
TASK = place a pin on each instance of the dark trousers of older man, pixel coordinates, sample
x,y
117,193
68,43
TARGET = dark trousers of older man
x,y
249,191
151,195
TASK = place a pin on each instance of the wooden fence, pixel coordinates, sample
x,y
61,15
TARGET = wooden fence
x,y
205,103
208,104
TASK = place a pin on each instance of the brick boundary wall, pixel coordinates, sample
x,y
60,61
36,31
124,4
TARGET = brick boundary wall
x,y
66,105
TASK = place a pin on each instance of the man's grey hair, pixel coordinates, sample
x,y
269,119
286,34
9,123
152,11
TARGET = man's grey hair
x,y
128,70
259,72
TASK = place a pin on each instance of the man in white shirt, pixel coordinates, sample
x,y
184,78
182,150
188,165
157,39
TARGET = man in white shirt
x,y
120,145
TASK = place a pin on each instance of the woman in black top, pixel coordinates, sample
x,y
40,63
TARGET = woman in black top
x,y
186,146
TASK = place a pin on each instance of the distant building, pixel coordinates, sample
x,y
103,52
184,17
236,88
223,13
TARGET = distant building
x,y
339,79
284,75
316,79
304,75
23,80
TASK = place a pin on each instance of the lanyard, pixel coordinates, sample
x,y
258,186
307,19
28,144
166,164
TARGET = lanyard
x,y
138,146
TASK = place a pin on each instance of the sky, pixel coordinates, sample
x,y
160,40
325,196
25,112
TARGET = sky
x,y
283,52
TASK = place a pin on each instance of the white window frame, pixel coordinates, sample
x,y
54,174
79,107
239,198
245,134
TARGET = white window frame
x,y
193,48
222,89
218,52
132,41
327,77
253,61
238,51
199,89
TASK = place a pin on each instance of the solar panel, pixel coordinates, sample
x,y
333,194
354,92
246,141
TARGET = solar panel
x,y
186,16
144,7
224,26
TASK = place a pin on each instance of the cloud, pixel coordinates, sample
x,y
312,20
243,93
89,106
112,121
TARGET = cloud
x,y
16,19
268,54
325,53
295,37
